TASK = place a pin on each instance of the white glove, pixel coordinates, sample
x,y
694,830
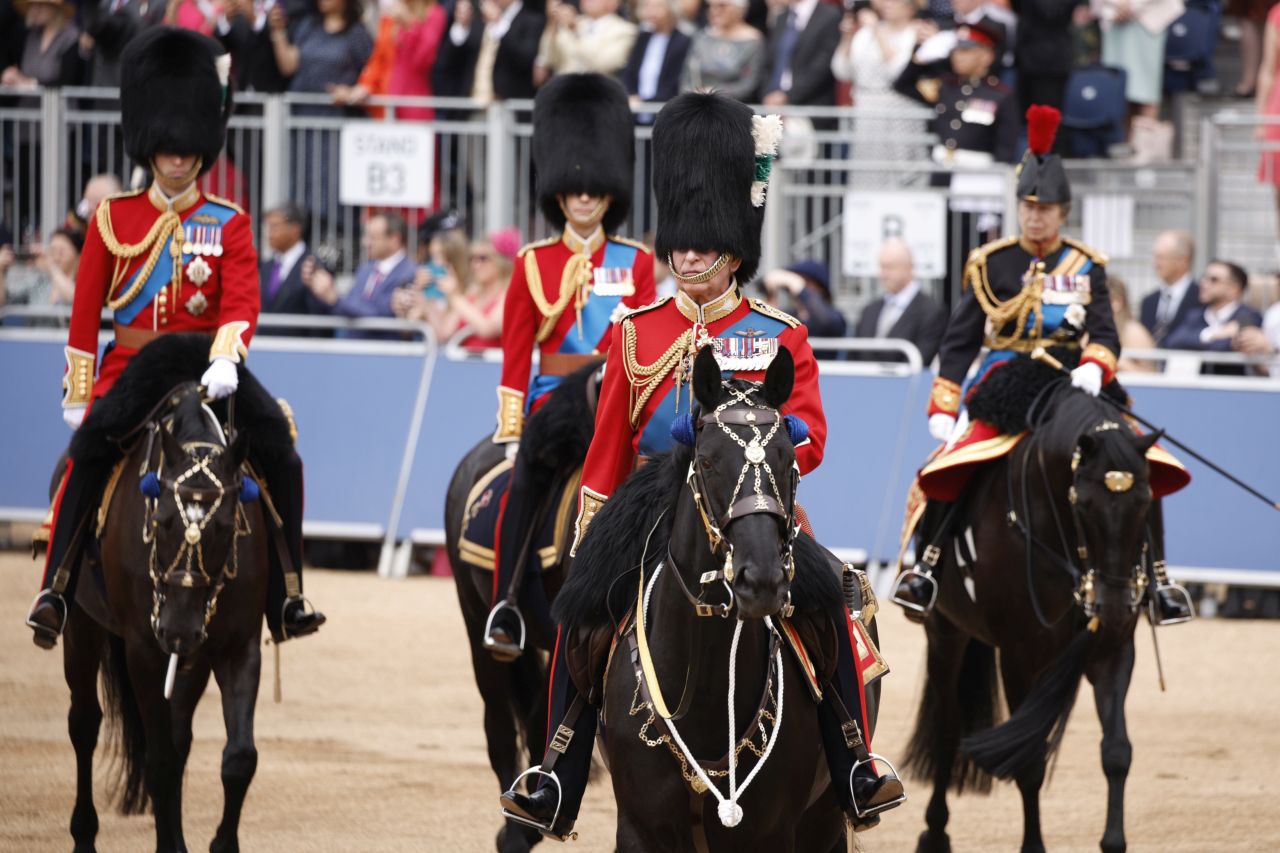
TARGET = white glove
x,y
1088,378
220,380
941,425
73,415
512,448
937,47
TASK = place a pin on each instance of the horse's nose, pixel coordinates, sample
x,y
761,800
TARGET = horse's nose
x,y
760,591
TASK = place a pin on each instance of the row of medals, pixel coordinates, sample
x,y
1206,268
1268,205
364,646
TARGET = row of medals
x,y
200,241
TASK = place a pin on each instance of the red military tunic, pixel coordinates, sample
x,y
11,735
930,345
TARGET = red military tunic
x,y
640,396
186,267
565,293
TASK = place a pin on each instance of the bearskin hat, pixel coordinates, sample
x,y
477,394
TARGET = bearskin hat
x,y
711,161
175,95
583,142
1041,176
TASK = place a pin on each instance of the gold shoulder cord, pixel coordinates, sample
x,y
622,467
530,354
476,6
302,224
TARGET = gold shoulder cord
x,y
644,379
575,284
1016,309
161,230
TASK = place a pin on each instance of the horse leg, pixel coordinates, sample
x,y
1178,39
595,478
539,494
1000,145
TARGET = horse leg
x,y
163,766
186,695
238,679
1110,679
945,655
81,657
1017,673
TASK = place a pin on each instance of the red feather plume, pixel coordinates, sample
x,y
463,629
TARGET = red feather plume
x,y
1042,127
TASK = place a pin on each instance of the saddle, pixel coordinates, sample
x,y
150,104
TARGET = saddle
x,y
484,505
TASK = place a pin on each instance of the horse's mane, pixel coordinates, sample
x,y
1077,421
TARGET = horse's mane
x,y
602,582
1026,394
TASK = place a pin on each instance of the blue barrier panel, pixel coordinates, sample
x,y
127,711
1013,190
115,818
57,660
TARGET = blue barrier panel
x,y
1212,523
32,434
461,408
855,498
353,403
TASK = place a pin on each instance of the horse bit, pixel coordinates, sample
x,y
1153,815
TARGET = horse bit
x,y
757,501
187,569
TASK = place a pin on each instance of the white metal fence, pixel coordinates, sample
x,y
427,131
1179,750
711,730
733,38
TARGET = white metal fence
x,y
285,147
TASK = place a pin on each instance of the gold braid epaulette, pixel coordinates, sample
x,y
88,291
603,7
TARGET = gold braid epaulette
x,y
1099,258
162,229
644,379
776,313
1017,309
537,244
225,202
635,312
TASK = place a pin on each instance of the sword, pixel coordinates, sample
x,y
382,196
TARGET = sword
x,y
1041,355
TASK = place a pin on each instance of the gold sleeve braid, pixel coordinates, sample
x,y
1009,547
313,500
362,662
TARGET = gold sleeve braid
x,y
510,416
77,384
228,342
590,503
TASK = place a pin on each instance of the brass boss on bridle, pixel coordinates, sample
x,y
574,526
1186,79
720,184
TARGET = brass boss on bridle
x,y
749,496
197,506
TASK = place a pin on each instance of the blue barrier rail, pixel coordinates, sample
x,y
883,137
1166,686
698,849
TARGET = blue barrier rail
x,y
369,477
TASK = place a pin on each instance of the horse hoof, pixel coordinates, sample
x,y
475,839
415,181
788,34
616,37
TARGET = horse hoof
x,y
933,842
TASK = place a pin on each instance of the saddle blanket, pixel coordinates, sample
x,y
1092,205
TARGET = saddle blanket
x,y
483,507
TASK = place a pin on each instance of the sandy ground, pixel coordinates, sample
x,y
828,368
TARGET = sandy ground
x,y
378,744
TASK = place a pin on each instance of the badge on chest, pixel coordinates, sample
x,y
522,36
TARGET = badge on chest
x,y
979,111
1066,290
745,351
612,281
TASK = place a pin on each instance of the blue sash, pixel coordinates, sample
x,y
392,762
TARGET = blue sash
x,y
162,273
598,310
656,436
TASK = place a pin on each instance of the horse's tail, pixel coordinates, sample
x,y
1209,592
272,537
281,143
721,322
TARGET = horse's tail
x,y
940,725
125,729
1034,731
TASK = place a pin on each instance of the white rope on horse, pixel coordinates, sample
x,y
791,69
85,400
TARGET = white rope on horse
x,y
728,810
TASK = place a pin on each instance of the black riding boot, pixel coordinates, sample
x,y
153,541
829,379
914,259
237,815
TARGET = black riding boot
x,y
288,614
553,805
917,589
73,515
1172,603
505,630
863,790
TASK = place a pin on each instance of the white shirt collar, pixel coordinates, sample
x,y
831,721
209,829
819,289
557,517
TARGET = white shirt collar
x,y
803,12
902,298
1221,315
290,257
386,265
1178,289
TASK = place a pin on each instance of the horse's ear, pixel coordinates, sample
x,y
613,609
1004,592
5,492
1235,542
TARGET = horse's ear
x,y
1145,442
707,387
239,450
780,378
171,447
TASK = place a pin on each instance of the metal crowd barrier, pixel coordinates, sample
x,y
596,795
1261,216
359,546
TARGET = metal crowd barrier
x,y
383,424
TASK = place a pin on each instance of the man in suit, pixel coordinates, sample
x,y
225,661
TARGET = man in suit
x,y
1214,328
904,311
282,277
599,40
1173,300
490,56
376,280
808,287
797,67
653,71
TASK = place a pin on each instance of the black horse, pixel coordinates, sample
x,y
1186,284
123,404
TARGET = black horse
x,y
669,679
183,576
514,693
1052,577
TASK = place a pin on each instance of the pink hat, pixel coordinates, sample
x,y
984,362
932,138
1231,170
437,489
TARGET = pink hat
x,y
506,242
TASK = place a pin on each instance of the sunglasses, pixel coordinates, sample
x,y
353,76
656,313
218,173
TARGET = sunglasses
x,y
481,258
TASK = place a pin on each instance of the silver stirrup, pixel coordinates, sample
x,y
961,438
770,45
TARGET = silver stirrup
x,y
547,830
488,643
1179,590
36,626
911,605
883,807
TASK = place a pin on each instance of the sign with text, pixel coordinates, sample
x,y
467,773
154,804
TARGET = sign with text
x,y
387,164
918,217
